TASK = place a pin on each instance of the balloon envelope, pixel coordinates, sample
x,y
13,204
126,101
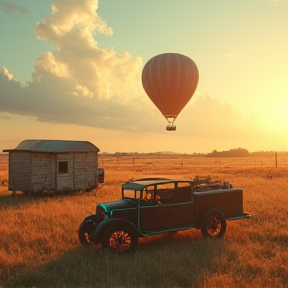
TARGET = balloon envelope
x,y
170,80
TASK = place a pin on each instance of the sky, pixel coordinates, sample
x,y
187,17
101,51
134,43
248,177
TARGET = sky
x,y
71,70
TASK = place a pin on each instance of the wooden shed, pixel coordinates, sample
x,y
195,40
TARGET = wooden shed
x,y
40,166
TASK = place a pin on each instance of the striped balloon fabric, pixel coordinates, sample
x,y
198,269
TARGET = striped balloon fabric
x,y
170,80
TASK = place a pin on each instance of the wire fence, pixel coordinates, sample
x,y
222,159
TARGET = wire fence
x,y
186,160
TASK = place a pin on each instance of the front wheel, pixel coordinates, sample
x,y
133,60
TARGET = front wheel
x,y
84,231
120,238
213,224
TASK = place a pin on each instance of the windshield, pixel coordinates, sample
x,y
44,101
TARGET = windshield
x,y
147,193
135,194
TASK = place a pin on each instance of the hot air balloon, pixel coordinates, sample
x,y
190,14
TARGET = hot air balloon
x,y
170,80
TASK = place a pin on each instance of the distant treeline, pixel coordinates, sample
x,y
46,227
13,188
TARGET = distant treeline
x,y
240,152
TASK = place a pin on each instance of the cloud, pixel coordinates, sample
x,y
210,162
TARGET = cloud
x,y
10,7
4,116
7,73
78,82
72,15
81,84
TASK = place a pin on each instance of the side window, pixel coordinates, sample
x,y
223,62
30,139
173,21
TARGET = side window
x,y
166,194
148,193
62,167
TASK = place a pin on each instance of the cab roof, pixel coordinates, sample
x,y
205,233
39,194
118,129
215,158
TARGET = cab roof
x,y
139,184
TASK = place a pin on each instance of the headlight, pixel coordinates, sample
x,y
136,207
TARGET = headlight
x,y
101,213
104,215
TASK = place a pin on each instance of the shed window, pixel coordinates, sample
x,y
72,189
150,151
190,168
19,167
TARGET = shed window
x,y
63,167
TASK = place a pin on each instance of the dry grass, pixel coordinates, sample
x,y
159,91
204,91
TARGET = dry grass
x,y
39,244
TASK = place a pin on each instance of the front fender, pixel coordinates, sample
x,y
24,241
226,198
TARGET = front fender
x,y
91,218
97,234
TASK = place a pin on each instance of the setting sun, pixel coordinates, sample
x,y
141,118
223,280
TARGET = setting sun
x,y
285,115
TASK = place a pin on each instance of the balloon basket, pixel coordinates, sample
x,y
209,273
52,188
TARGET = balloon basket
x,y
171,128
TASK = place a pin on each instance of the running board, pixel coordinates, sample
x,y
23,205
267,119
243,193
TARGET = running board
x,y
243,216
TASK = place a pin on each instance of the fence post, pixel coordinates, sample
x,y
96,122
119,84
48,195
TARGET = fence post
x,y
276,159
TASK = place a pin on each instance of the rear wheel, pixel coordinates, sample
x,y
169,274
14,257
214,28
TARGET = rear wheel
x,y
213,224
84,232
120,238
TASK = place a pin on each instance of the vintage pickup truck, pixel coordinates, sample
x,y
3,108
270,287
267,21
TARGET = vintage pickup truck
x,y
152,206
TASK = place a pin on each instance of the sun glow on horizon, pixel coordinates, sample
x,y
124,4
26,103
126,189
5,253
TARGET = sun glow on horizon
x,y
285,115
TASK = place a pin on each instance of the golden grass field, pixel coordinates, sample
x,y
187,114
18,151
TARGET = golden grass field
x,y
39,244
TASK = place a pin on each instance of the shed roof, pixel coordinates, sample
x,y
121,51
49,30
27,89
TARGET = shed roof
x,y
54,146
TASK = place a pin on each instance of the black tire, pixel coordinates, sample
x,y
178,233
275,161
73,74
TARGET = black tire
x,y
84,231
213,224
120,238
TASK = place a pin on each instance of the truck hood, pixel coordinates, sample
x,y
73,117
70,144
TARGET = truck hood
x,y
120,204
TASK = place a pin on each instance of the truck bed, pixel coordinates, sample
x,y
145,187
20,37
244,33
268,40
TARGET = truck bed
x,y
229,201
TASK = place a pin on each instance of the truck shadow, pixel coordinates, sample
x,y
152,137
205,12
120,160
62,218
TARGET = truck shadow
x,y
168,261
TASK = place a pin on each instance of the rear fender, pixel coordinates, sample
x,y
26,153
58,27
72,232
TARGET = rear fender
x,y
97,234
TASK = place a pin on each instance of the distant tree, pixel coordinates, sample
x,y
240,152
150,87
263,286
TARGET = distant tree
x,y
198,154
239,152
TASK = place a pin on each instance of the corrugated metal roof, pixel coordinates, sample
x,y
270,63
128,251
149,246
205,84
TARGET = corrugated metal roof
x,y
54,146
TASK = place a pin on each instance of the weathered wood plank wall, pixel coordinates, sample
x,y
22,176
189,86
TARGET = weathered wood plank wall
x,y
35,172
43,171
19,171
